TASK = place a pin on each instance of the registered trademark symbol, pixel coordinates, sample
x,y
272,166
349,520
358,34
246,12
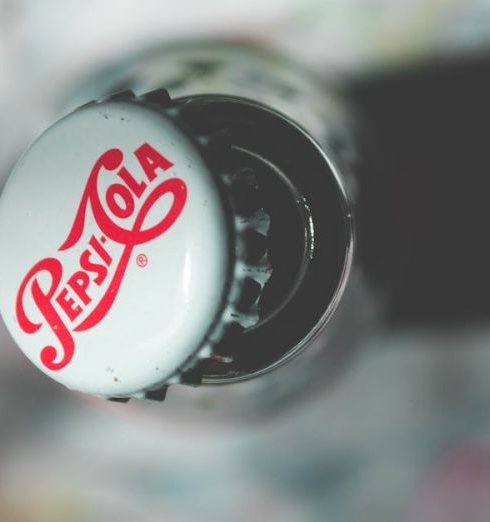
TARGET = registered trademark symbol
x,y
141,260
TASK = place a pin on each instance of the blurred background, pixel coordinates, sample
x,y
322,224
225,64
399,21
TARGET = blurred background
x,y
403,434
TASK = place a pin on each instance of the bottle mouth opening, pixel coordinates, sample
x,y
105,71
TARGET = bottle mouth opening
x,y
309,243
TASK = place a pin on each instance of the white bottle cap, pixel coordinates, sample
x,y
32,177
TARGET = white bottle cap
x,y
115,250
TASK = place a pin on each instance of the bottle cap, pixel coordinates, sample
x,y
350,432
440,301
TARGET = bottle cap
x,y
122,253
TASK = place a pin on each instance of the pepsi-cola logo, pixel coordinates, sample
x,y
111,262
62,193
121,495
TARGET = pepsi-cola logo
x,y
65,303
